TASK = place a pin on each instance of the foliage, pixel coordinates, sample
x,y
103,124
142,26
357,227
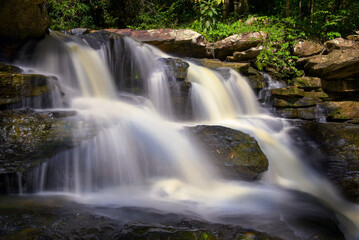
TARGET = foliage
x,y
67,14
278,43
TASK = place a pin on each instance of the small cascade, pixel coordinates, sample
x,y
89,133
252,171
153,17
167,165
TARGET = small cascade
x,y
320,115
265,94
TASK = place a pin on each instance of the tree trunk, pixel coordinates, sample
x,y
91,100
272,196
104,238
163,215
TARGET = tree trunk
x,y
288,8
300,8
312,12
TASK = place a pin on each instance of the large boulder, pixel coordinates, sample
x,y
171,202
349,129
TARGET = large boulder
x,y
249,54
21,19
181,42
235,153
27,138
307,48
236,42
338,64
339,145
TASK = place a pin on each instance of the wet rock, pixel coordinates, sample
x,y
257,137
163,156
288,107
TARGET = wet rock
x,y
237,154
307,113
215,63
16,88
181,42
177,67
6,68
237,42
307,48
250,54
80,31
340,43
27,138
339,144
21,19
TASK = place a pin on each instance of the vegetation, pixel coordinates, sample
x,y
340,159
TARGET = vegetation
x,y
284,21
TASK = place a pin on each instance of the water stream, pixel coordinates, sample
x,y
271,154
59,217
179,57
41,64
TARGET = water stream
x,y
142,155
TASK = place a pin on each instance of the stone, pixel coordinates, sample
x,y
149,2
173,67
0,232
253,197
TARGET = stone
x,y
338,64
215,63
307,48
340,43
177,67
27,138
181,42
342,86
79,31
235,153
14,88
339,146
343,110
290,91
307,83
237,42
6,68
307,113
250,54
22,19
353,38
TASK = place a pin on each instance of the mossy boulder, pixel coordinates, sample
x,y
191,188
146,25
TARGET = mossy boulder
x,y
15,87
22,19
27,138
235,153
6,68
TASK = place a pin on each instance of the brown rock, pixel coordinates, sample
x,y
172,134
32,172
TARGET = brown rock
x,y
341,85
246,55
340,43
342,110
237,42
21,19
308,82
307,48
353,37
338,64
182,42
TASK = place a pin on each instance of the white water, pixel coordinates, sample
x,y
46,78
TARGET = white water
x,y
140,157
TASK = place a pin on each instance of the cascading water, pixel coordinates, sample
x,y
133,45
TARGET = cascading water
x,y
141,157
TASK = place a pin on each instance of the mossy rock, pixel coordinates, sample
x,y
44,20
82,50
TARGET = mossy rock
x,y
6,68
235,153
14,88
28,138
307,83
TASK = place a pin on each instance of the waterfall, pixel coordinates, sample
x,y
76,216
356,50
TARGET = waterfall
x,y
141,156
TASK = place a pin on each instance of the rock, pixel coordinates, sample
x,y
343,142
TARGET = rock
x,y
28,138
237,154
16,88
307,83
339,144
345,110
237,42
307,48
290,91
353,38
307,113
250,54
22,19
80,31
340,43
177,67
341,86
215,63
181,42
5,68
338,64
